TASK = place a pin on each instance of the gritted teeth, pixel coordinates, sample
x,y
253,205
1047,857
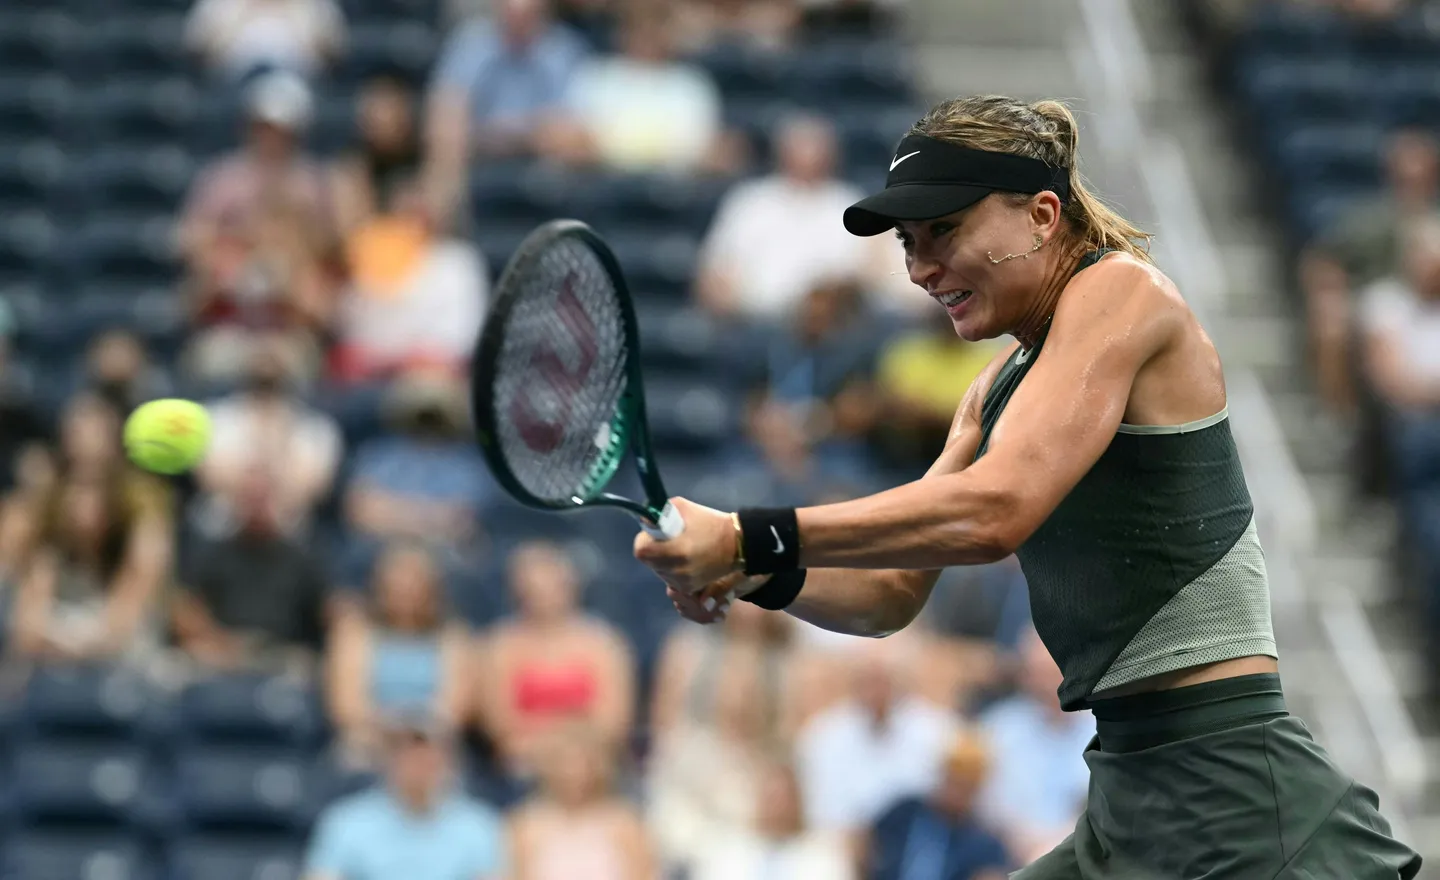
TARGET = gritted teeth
x,y
953,298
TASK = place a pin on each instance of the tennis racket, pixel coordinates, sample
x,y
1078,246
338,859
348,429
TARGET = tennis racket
x,y
555,382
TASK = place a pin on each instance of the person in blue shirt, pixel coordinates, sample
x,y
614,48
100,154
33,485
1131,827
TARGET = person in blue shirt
x,y
416,824
938,837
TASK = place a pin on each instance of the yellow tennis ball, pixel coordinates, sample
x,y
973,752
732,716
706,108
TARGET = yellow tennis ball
x,y
167,436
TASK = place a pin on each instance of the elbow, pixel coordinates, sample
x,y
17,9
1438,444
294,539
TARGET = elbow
x,y
998,534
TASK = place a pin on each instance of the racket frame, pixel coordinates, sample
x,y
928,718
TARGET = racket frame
x,y
629,427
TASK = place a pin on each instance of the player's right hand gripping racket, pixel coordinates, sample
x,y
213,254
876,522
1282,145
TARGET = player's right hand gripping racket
x,y
555,381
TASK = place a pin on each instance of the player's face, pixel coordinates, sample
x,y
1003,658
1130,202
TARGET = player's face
x,y
951,259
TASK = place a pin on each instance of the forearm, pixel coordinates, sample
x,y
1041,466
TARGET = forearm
x,y
933,523
863,603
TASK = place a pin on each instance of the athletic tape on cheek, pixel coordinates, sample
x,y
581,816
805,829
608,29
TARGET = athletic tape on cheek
x,y
771,539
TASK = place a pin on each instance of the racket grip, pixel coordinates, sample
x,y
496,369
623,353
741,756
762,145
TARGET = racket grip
x,y
669,526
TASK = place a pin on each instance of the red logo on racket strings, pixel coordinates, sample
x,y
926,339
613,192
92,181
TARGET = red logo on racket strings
x,y
555,378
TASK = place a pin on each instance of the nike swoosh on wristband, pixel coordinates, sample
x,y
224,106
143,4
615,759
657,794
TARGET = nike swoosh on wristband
x,y
899,159
779,544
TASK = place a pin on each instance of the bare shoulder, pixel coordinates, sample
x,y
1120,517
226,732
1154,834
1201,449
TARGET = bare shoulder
x,y
1125,300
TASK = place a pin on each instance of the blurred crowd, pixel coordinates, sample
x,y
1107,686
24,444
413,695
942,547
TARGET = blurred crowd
x,y
505,697
1343,104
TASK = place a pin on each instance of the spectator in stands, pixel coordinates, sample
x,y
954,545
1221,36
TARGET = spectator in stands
x,y
778,237
985,605
365,182
864,18
400,653
881,745
757,654
424,480
256,235
240,37
498,82
1401,317
938,834
724,702
780,460
267,427
551,663
1361,249
95,549
415,299
780,846
256,598
417,824
575,827
119,369
920,379
643,110
1039,779
767,25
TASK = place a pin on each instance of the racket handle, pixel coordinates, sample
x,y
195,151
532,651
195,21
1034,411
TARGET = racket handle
x,y
669,526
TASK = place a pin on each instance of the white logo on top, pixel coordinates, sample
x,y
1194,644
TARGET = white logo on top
x,y
899,159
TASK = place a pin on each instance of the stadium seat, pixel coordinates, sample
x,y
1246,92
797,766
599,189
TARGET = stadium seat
x,y
80,782
126,250
656,265
137,180
654,202
845,73
32,45
235,858
135,113
33,176
140,45
77,700
76,856
742,73
407,46
688,416
527,196
36,107
27,249
250,707
240,788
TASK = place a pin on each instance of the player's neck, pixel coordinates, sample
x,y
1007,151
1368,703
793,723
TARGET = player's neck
x,y
1036,321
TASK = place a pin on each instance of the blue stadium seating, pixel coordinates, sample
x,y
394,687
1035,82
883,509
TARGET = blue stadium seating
x,y
243,788
85,701
250,708
76,856
81,782
211,857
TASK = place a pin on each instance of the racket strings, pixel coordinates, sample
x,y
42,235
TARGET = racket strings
x,y
561,373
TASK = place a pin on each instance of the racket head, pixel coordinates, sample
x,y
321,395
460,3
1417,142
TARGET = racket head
x,y
556,386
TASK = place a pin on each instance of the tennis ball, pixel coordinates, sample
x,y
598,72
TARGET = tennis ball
x,y
167,436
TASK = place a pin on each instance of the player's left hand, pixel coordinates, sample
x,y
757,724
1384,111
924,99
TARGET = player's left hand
x,y
701,555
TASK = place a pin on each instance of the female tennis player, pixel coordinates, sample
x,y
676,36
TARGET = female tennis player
x,y
1098,449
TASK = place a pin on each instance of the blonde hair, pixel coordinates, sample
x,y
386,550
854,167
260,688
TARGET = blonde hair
x,y
1045,130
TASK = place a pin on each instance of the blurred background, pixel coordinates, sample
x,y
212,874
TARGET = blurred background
x,y
336,651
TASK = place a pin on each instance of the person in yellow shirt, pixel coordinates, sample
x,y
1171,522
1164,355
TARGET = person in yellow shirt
x,y
920,377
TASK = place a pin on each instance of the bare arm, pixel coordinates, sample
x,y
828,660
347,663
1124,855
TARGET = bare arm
x,y
33,602
452,704
1385,362
1117,318
346,671
615,702
137,586
1056,426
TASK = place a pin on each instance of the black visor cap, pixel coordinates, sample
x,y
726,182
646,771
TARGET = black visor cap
x,y
930,178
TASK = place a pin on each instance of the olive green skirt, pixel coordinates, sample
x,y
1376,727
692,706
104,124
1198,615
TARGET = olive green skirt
x,y
1216,781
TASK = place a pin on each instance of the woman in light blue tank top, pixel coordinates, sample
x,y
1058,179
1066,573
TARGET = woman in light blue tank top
x,y
400,654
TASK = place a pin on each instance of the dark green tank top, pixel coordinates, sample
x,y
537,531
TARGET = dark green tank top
x,y
1159,509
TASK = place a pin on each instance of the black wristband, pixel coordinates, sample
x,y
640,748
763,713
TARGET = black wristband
x,y
777,593
770,538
